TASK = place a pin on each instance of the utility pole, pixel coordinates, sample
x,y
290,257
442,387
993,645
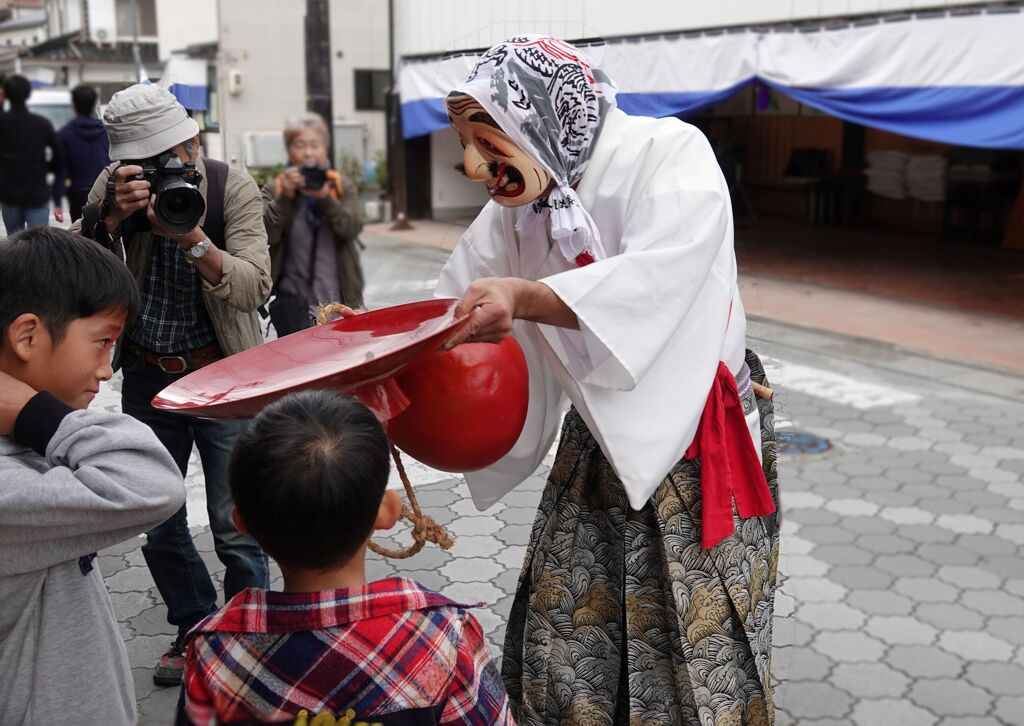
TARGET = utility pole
x,y
318,66
140,71
395,140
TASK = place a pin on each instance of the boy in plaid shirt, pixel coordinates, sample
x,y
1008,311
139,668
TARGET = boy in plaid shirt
x,y
308,478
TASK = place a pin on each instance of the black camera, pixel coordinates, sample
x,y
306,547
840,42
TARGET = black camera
x,y
313,175
178,204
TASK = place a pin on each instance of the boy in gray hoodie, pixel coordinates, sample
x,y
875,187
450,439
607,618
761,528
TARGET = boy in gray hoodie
x,y
72,481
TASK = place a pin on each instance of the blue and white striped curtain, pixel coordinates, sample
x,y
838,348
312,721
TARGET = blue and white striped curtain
x,y
957,79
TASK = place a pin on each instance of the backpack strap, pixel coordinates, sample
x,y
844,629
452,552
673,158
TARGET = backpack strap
x,y
216,182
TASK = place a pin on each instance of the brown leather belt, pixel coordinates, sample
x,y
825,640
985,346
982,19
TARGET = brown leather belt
x,y
188,360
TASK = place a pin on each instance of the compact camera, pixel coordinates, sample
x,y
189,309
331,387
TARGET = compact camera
x,y
178,205
313,175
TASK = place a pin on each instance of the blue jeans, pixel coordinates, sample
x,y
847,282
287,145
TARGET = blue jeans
x,y
180,574
17,218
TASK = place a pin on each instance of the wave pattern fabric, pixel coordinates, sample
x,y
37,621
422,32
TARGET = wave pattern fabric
x,y
613,601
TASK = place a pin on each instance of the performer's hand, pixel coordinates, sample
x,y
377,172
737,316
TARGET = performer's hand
x,y
491,304
58,214
326,313
494,302
14,394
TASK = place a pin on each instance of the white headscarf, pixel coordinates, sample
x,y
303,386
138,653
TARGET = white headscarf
x,y
551,100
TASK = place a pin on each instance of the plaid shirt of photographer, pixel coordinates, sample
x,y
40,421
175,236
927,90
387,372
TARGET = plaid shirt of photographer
x,y
172,317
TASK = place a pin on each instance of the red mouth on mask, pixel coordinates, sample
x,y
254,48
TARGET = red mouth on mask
x,y
509,182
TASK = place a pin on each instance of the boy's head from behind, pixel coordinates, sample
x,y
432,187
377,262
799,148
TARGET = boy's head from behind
x,y
64,300
308,478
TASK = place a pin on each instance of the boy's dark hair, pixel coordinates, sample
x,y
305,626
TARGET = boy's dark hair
x,y
308,476
61,277
83,98
17,89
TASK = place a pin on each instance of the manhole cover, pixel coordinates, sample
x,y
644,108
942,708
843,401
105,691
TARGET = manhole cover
x,y
799,442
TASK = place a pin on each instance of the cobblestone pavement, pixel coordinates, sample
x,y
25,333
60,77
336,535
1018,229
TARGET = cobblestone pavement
x,y
902,596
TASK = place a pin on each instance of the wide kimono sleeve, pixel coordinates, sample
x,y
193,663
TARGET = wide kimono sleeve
x,y
659,313
487,249
671,266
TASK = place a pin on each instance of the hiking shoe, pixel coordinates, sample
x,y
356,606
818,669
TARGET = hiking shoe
x,y
171,665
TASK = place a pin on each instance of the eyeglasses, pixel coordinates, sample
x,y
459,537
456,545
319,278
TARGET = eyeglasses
x,y
301,145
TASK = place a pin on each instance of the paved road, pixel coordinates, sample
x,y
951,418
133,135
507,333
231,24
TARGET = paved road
x,y
902,599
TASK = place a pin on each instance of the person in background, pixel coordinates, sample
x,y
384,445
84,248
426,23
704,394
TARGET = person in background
x,y
312,230
86,149
24,139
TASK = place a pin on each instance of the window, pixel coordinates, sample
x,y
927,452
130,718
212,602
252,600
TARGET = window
x,y
125,10
372,90
108,89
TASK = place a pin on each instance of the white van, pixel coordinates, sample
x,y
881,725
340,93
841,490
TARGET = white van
x,y
53,103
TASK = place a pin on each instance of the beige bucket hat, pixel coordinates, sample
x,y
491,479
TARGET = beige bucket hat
x,y
145,120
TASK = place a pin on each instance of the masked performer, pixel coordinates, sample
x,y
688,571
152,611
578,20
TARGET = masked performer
x,y
607,251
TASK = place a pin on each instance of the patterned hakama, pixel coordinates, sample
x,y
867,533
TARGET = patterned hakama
x,y
601,580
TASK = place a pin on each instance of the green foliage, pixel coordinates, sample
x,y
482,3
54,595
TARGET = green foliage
x,y
353,169
262,175
350,166
381,157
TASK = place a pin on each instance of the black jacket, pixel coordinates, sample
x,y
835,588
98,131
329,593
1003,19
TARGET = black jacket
x,y
85,152
24,138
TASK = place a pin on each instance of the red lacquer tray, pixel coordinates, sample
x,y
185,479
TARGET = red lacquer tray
x,y
343,355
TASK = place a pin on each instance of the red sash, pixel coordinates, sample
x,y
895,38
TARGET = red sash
x,y
729,468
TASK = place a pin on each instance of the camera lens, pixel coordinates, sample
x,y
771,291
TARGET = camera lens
x,y
178,205
175,204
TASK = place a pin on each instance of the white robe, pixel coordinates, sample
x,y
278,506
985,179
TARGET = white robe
x,y
655,317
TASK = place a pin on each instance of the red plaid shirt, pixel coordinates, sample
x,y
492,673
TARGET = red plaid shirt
x,y
391,651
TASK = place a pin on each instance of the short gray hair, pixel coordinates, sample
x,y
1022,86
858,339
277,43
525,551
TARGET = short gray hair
x,y
306,122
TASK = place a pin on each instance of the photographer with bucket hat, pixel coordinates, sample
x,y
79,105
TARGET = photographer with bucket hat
x,y
191,232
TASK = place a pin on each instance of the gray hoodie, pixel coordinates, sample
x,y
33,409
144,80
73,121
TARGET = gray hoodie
x,y
105,478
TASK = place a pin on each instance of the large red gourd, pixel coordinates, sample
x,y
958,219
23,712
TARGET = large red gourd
x,y
467,406
457,411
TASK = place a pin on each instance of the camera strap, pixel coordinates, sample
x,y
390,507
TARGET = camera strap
x,y
216,183
213,225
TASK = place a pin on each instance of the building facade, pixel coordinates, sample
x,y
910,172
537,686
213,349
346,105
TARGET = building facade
x,y
22,23
259,75
238,65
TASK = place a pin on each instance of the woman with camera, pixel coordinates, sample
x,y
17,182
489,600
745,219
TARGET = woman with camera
x,y
312,218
